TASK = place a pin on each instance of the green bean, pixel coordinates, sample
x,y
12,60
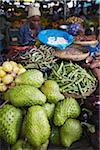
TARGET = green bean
x,y
66,86
72,78
43,56
57,74
60,68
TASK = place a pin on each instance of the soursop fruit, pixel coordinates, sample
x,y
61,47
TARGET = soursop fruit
x,y
52,91
49,109
70,132
24,95
10,123
32,77
22,145
68,108
36,128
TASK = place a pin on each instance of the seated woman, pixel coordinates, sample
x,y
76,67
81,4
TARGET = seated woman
x,y
28,32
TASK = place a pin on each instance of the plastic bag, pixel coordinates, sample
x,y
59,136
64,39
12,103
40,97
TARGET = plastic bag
x,y
55,38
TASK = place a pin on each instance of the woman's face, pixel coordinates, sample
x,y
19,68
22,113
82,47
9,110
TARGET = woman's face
x,y
35,21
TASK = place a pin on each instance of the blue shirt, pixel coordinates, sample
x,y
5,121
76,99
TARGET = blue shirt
x,y
93,50
25,36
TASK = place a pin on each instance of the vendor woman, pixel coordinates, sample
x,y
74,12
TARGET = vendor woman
x,y
28,32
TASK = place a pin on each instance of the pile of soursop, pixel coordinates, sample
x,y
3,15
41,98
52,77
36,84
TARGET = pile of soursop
x,y
37,113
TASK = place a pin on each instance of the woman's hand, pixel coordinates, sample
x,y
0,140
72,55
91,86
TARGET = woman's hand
x,y
94,64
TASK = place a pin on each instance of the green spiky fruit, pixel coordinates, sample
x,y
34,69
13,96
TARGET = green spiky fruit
x,y
24,95
24,145
70,132
21,145
49,109
10,123
32,77
36,127
68,108
52,91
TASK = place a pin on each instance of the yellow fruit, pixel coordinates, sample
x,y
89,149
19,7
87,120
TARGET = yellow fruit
x,y
3,87
2,73
14,64
20,66
0,80
7,66
7,79
16,69
22,70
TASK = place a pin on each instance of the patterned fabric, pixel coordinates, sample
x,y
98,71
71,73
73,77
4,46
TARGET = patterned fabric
x,y
74,28
98,47
93,50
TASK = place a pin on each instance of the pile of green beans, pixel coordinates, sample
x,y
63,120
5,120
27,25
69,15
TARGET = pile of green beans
x,y
39,58
72,78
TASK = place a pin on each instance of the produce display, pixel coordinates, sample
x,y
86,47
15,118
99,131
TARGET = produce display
x,y
46,99
39,57
73,80
49,86
8,72
30,116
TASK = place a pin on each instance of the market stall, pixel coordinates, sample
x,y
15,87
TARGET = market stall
x,y
49,93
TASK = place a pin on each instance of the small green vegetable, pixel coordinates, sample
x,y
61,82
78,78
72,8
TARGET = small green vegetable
x,y
39,58
72,78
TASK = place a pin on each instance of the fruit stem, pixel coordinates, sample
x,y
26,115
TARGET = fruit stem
x,y
90,127
4,103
